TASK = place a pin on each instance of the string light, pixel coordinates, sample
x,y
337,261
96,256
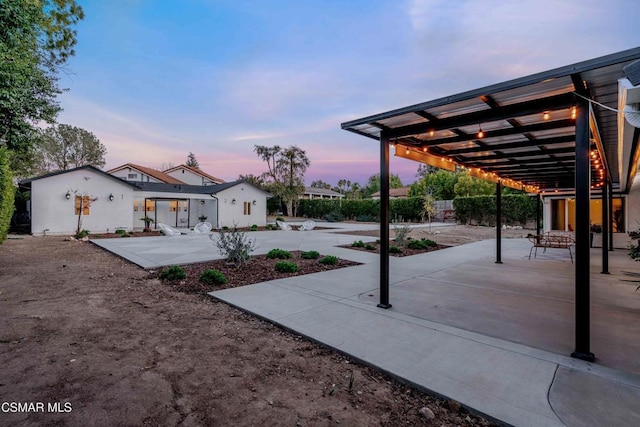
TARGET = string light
x,y
574,113
480,134
546,115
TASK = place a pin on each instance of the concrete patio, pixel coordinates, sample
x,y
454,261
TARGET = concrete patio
x,y
495,337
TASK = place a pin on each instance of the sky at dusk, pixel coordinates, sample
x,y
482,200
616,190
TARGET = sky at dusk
x,y
155,79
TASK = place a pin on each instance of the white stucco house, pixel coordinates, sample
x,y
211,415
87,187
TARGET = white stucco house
x,y
120,200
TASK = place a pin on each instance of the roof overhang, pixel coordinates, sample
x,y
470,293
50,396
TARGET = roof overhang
x,y
528,127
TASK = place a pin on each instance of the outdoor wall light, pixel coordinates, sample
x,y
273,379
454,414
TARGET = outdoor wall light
x,y
67,196
233,202
202,202
255,203
111,197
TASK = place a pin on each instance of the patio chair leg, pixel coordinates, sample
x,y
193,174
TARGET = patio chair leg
x,y
531,250
570,254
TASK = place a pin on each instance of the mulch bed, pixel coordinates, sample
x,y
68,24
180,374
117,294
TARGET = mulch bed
x,y
259,269
405,251
129,234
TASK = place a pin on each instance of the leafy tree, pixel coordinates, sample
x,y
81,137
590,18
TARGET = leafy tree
x,y
373,184
424,170
470,186
258,181
7,193
191,161
439,184
36,39
343,185
65,147
285,170
320,184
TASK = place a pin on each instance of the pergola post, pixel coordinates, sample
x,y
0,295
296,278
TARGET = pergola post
x,y
538,214
384,221
582,279
605,226
610,203
499,222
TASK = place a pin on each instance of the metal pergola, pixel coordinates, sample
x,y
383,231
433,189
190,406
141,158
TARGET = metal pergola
x,y
558,130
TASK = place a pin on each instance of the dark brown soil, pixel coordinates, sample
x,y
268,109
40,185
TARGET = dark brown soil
x,y
259,269
374,247
82,327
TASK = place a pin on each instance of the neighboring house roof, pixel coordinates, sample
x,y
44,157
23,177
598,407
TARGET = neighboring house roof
x,y
160,187
394,192
160,176
196,171
322,191
86,167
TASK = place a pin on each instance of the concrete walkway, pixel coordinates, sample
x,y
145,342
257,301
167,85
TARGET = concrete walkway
x,y
493,337
511,382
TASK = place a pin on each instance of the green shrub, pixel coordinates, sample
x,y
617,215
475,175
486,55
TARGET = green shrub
x,y
235,246
286,267
254,227
365,218
334,216
269,227
328,260
175,272
310,255
369,247
395,250
358,244
421,244
7,193
516,209
402,232
121,231
213,277
82,234
281,219
225,228
278,254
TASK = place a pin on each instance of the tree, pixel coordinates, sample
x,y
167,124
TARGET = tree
x,y
285,170
258,181
424,170
439,184
36,39
470,186
373,184
320,184
429,208
191,161
83,203
65,147
7,193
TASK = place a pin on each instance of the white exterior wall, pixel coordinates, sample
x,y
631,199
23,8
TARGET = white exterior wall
x,y
51,211
189,177
231,214
140,177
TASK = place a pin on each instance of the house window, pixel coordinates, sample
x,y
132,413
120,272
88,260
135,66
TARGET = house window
x,y
173,205
132,176
136,205
150,206
84,203
247,208
184,206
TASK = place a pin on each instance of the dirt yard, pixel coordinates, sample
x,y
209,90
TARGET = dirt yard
x,y
114,346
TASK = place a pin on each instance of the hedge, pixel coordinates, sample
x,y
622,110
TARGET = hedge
x,y
7,194
409,209
516,209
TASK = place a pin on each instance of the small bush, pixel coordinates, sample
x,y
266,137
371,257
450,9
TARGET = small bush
x,y
278,254
421,244
369,247
395,250
121,231
269,227
328,260
402,232
333,216
286,267
365,218
225,228
175,272
82,234
254,227
213,277
280,219
235,246
358,244
310,255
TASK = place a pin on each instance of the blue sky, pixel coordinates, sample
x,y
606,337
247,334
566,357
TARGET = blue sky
x,y
155,80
